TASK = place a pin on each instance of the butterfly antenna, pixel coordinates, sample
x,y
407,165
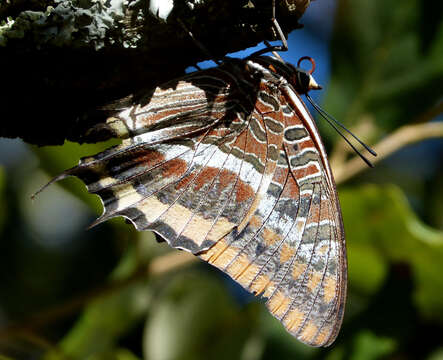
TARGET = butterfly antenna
x,y
275,53
320,110
333,122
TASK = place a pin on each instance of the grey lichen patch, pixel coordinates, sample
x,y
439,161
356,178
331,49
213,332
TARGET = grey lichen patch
x,y
75,23
5,26
83,54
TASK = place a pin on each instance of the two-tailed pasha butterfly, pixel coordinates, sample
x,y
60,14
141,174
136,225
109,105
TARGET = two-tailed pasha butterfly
x,y
227,163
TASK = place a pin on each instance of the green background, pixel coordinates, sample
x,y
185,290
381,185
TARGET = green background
x,y
67,293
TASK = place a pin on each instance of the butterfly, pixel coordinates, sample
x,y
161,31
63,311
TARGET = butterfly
x,y
227,163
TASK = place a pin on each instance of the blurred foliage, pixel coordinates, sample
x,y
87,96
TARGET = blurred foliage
x,y
199,318
387,67
393,234
384,62
2,196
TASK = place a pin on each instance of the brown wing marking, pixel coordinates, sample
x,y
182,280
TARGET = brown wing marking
x,y
291,250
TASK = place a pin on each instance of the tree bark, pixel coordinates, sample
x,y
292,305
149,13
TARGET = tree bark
x,y
61,63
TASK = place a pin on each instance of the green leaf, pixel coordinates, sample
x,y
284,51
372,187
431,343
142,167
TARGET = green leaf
x,y
194,318
67,156
107,318
365,346
380,64
381,226
368,346
279,343
437,355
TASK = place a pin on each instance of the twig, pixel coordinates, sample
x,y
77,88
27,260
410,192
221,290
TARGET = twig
x,y
171,261
405,135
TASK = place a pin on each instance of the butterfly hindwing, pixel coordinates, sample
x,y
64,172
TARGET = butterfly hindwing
x,y
292,250
319,266
227,163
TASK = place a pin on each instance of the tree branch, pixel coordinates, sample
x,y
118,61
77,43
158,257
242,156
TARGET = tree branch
x,y
406,135
60,63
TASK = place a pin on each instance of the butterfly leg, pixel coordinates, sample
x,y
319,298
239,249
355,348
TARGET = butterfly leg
x,y
281,37
199,44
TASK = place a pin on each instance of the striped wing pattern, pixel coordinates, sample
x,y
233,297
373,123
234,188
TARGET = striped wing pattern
x,y
222,163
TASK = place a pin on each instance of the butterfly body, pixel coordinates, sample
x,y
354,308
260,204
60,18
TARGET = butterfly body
x,y
227,163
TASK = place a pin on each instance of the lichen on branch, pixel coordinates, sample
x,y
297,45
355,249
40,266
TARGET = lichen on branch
x,y
67,58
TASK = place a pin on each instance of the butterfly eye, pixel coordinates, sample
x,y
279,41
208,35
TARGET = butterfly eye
x,y
303,81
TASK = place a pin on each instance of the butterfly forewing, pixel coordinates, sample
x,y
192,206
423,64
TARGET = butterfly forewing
x,y
227,163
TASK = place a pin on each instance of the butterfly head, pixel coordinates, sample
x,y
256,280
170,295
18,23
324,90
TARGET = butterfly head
x,y
301,80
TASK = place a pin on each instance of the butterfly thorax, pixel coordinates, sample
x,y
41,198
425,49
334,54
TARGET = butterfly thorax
x,y
299,79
